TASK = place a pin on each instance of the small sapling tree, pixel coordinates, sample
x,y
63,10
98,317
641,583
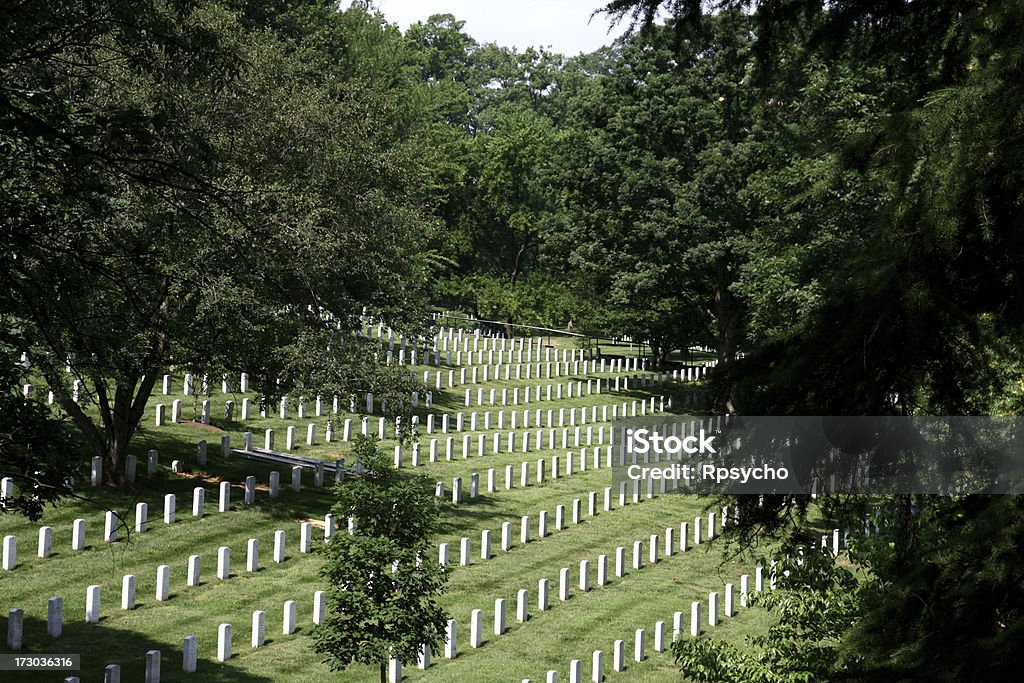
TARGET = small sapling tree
x,y
382,588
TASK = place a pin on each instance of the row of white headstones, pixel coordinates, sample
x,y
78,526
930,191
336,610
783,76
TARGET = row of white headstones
x,y
597,671
193,569
55,609
190,650
584,584
645,407
474,375
458,339
580,437
583,434
112,521
55,605
443,422
476,635
567,368
570,466
507,396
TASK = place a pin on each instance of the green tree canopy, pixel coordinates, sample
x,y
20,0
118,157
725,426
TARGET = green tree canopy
x,y
183,187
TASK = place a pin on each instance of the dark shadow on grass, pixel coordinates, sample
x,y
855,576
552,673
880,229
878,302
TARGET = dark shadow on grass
x,y
309,503
100,645
468,515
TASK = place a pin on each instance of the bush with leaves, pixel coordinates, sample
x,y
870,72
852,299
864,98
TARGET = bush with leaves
x,y
35,448
382,590
816,602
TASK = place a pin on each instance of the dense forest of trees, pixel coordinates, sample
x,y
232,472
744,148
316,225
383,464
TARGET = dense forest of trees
x,y
831,188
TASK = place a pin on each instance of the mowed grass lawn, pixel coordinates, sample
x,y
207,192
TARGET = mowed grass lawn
x,y
549,640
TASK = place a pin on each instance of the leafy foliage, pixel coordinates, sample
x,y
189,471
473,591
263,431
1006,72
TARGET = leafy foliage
x,y
382,588
182,186
880,276
36,451
816,601
827,193
655,205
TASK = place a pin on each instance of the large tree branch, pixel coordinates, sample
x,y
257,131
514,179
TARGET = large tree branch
x,y
86,426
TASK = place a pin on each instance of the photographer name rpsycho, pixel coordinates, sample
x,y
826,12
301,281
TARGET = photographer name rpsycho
x,y
708,473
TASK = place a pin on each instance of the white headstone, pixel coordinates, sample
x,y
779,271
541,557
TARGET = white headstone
x,y
288,625
152,666
499,616
522,605
169,508
198,501
15,629
223,562
259,628
128,584
194,569
451,642
110,525
189,654
476,628
485,544
305,537
563,584
92,605
597,667
279,540
319,607
78,535
45,541
252,558
639,645
163,582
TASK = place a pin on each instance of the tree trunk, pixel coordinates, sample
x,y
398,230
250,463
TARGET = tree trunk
x,y
661,352
728,313
85,425
383,672
120,423
904,532
119,420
